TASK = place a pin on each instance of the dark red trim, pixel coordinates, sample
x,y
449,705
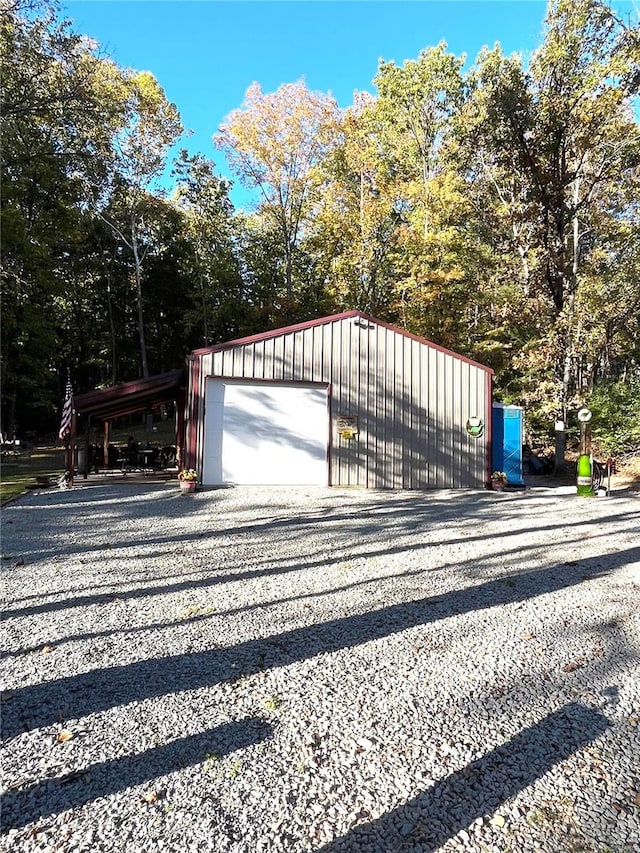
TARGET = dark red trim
x,y
181,410
429,343
194,414
130,396
489,427
264,336
71,449
330,437
323,321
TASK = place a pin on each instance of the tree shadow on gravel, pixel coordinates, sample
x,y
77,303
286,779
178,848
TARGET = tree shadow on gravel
x,y
374,534
195,581
452,804
194,619
370,518
97,690
74,789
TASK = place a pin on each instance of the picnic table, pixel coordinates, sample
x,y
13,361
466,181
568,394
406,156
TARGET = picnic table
x,y
128,458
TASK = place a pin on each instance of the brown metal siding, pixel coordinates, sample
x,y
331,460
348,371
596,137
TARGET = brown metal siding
x,y
412,400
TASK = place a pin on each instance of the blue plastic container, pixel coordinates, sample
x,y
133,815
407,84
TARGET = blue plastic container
x,y
507,436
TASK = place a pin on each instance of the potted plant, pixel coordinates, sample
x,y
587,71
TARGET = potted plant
x,y
498,480
187,479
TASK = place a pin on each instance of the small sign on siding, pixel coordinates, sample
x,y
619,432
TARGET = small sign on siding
x,y
347,426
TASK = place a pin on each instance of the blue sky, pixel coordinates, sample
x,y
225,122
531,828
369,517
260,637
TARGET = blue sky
x,y
205,53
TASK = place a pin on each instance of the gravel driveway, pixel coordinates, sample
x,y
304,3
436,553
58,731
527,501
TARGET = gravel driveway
x,y
320,670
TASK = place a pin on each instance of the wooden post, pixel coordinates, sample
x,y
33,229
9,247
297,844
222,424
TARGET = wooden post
x,y
87,441
180,428
72,450
560,448
107,431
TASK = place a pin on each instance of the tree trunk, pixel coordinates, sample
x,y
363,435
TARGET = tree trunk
x,y
10,423
205,318
138,272
568,299
112,332
289,276
426,174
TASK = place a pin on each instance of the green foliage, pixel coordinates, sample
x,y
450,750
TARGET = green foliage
x,y
275,143
215,287
615,425
559,148
54,128
494,211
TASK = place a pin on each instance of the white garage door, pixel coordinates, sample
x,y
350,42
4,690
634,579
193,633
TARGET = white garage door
x,y
263,433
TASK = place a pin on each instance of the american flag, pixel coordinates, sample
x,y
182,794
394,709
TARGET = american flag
x,y
67,410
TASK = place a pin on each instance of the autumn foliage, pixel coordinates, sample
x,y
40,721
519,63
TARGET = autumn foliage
x,y
493,210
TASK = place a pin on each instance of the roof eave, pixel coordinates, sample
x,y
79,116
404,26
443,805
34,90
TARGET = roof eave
x,y
323,321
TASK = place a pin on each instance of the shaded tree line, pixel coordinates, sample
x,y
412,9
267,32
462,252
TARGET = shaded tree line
x,y
493,210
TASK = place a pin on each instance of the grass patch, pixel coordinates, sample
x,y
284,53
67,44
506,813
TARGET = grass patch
x,y
19,473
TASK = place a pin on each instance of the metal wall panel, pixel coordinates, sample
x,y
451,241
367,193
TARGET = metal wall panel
x,y
411,398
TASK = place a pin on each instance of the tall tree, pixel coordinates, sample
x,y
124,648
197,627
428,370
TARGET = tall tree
x,y
274,142
356,215
140,152
57,123
217,285
565,133
435,258
420,100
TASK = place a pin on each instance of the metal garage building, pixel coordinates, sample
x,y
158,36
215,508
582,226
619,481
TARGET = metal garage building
x,y
345,400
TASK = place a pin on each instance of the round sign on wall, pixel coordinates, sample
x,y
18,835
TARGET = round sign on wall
x,y
584,416
475,426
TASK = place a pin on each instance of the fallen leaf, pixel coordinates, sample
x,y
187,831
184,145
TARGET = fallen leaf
x,y
64,736
576,664
190,611
633,721
497,820
47,650
636,799
150,797
527,636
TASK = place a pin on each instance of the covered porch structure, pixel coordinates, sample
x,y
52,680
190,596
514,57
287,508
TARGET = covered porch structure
x,y
101,407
